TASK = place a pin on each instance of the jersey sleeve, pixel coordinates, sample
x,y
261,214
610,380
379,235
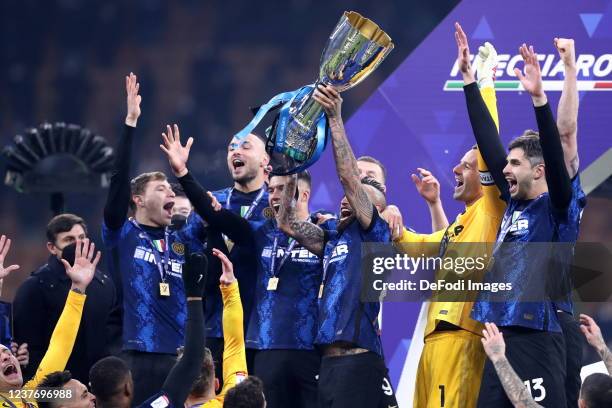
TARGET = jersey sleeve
x,y
62,339
415,244
234,354
112,237
491,194
378,231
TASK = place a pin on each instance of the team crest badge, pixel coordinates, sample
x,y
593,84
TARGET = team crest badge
x,y
178,248
268,212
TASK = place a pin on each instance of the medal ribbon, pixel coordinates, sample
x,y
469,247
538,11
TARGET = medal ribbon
x,y
161,266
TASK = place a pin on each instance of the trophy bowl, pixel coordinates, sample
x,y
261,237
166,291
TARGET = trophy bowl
x,y
299,133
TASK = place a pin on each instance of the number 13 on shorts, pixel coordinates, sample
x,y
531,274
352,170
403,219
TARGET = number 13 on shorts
x,y
536,389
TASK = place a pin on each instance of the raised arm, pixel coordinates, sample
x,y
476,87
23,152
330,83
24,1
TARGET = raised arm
x,y
346,163
557,177
5,246
67,327
234,353
225,221
429,188
495,347
481,115
186,370
309,235
567,111
118,199
592,332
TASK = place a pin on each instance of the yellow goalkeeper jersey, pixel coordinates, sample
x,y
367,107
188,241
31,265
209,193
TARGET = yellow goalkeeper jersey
x,y
477,224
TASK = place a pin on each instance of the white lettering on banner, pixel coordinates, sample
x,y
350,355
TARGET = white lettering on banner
x,y
587,65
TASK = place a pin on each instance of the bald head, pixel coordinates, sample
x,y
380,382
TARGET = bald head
x,y
247,160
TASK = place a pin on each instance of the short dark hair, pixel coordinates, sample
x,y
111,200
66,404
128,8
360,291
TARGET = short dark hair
x,y
303,175
139,183
370,159
207,373
247,394
596,391
177,189
56,379
106,377
374,183
529,141
63,223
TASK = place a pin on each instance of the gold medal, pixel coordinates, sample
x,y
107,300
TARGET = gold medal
x,y
273,283
321,291
164,289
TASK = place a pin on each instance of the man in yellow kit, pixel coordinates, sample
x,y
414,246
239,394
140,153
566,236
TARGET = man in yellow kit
x,y
452,360
12,394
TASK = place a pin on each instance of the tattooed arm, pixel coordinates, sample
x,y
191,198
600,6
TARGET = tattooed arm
x,y
306,233
495,347
567,111
592,332
346,163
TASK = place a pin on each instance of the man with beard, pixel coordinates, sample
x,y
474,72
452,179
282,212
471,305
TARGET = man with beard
x,y
146,257
545,205
247,162
81,272
352,368
282,322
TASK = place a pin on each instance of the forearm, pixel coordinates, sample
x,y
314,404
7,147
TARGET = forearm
x,y
230,224
567,120
487,137
438,217
514,387
310,236
606,356
557,177
118,199
348,172
186,370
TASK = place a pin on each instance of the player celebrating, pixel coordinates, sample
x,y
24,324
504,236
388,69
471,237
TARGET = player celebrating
x,y
282,323
544,206
347,328
146,258
452,338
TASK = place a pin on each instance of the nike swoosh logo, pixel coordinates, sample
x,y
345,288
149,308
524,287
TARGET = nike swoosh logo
x,y
200,278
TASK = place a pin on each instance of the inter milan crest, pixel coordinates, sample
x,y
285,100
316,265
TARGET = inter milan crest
x,y
178,248
268,212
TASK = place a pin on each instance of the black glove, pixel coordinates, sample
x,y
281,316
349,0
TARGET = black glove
x,y
194,274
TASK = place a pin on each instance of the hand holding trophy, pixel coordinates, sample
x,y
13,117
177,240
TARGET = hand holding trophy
x,y
298,135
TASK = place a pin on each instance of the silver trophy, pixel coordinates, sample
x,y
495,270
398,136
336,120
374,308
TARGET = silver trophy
x,y
298,136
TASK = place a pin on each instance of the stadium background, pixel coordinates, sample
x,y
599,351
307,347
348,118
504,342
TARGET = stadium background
x,y
202,64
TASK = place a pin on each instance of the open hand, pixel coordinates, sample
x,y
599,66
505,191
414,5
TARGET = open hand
x,y
176,152
84,268
5,245
463,55
227,275
133,100
532,77
493,342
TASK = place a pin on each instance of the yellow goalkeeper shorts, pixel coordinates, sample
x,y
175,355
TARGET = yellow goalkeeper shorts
x,y
450,370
